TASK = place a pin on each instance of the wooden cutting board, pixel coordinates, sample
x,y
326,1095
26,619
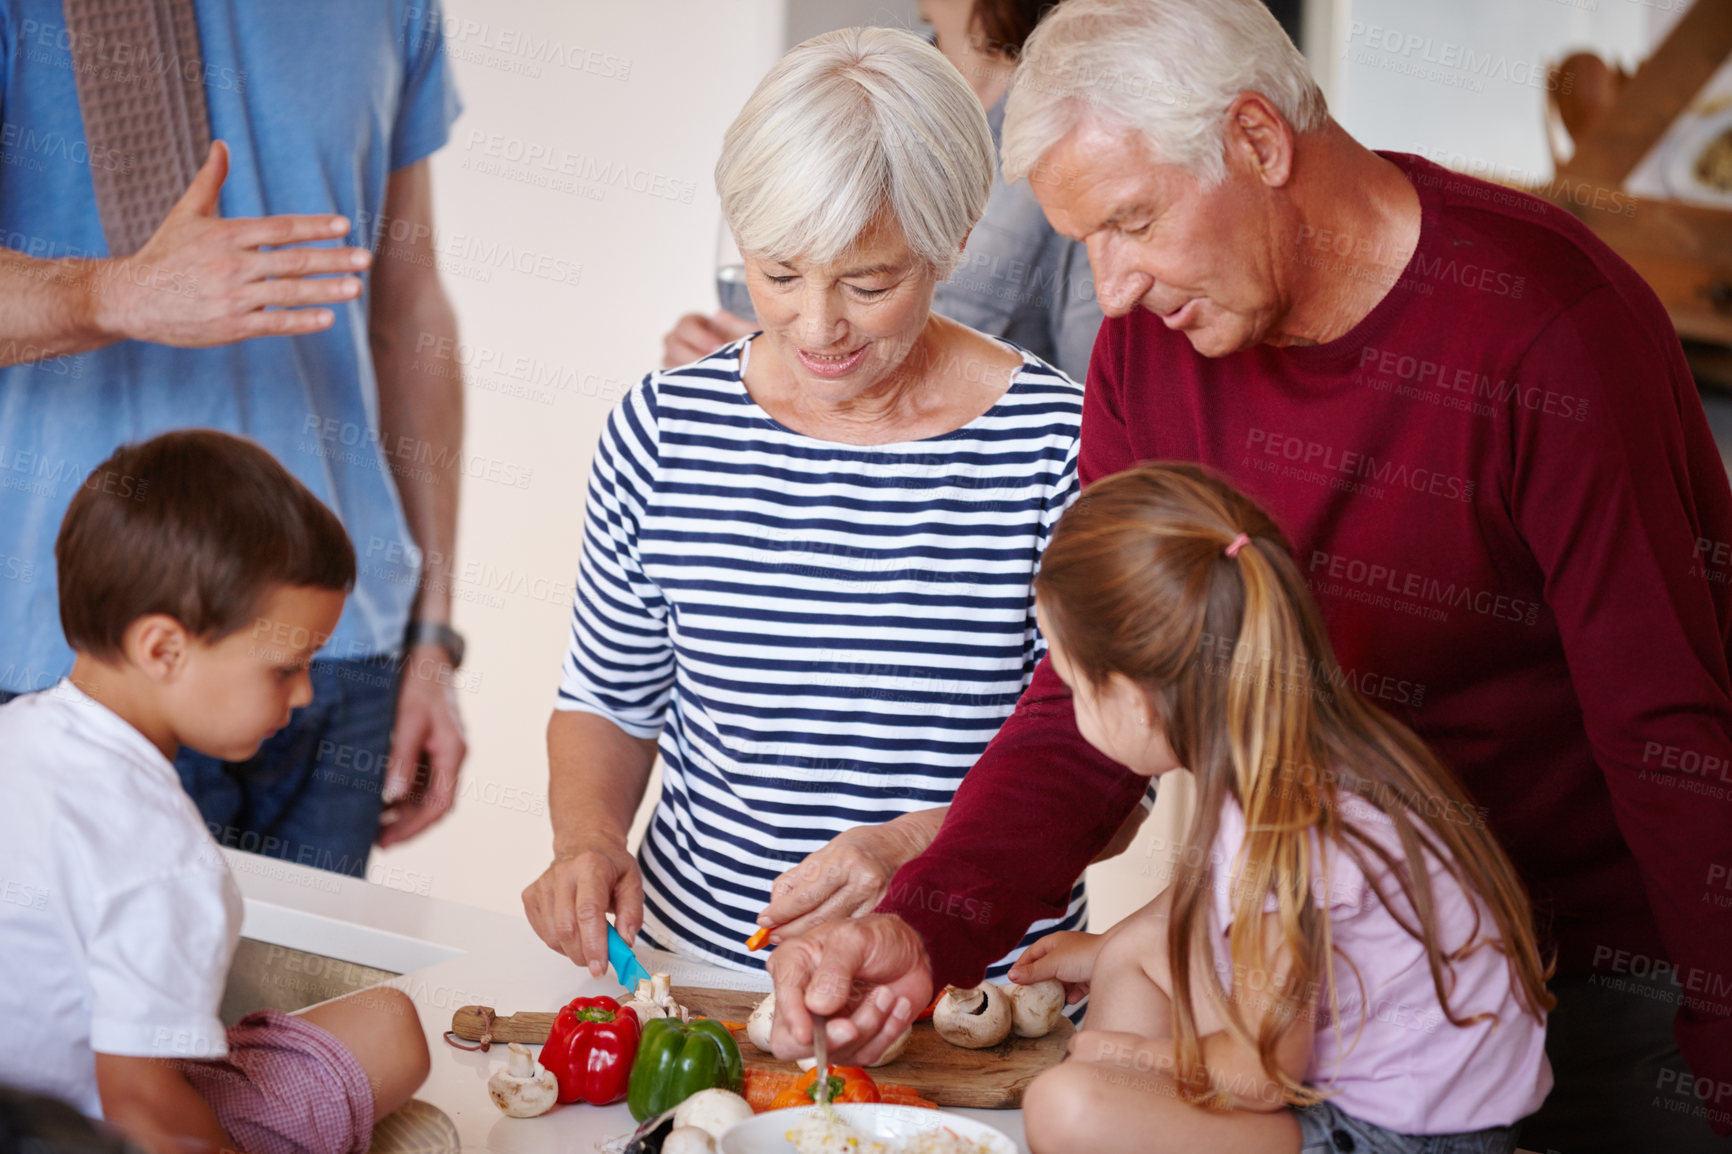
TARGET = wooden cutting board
x,y
990,1079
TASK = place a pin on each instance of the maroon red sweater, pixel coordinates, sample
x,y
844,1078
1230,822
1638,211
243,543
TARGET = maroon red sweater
x,y
1507,501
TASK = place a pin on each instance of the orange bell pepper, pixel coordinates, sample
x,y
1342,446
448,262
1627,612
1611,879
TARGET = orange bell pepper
x,y
847,1084
763,1087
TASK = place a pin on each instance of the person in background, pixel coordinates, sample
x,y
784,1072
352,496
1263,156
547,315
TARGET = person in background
x,y
807,557
1474,423
178,259
196,580
1017,279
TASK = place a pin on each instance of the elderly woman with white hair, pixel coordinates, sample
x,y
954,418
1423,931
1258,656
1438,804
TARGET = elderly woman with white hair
x,y
1019,279
808,556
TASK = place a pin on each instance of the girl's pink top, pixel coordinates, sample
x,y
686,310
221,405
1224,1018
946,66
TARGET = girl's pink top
x,y
1393,1058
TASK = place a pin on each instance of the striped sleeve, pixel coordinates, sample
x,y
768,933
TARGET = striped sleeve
x,y
620,663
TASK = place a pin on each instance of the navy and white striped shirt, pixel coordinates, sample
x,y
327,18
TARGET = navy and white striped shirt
x,y
823,635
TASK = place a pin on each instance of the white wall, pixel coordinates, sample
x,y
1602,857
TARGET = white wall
x,y
807,18
1464,82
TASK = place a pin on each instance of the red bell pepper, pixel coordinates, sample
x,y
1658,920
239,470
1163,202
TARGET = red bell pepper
x,y
590,1050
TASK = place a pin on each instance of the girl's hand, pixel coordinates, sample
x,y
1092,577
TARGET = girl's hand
x,y
1066,956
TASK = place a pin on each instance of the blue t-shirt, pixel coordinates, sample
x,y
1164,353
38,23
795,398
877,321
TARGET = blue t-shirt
x,y
319,102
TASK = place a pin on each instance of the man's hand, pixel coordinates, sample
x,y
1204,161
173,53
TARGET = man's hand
x,y
201,280
568,904
428,729
849,876
872,969
695,335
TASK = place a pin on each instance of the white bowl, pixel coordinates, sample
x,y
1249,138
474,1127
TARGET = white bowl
x,y
767,1133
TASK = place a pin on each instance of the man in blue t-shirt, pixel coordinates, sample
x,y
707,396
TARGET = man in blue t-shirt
x,y
247,310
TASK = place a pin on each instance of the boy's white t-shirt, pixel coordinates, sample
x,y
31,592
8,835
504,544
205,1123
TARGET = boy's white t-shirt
x,y
118,914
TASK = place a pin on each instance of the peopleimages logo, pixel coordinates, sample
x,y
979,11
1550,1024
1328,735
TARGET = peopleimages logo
x,y
1363,466
1418,589
1462,65
1471,383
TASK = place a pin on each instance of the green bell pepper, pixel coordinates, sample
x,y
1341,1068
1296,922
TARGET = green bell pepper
x,y
676,1059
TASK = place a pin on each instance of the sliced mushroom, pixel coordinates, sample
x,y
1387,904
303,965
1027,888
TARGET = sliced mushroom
x,y
1035,1009
763,1019
654,998
973,1019
523,1088
643,1004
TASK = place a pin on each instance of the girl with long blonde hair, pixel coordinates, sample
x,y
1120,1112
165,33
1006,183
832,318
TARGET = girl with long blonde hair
x,y
1345,959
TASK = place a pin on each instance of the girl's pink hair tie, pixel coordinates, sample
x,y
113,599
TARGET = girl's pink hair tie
x,y
1239,543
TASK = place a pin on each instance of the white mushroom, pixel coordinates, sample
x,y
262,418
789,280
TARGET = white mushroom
x,y
973,1019
758,1026
1035,1009
896,1048
688,1140
523,1088
712,1111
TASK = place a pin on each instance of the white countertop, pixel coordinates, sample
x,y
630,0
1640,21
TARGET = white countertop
x,y
452,955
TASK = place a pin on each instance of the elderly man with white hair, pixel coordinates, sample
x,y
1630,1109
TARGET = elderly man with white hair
x,y
807,557
1476,425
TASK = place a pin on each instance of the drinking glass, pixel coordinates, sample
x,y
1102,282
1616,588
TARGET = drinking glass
x,y
731,276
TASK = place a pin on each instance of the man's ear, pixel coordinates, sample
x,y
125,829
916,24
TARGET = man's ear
x,y
1259,138
157,644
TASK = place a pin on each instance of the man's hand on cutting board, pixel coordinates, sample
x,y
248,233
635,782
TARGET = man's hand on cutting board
x,y
869,975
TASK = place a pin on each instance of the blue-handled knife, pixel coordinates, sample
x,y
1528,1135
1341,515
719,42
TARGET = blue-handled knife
x,y
625,965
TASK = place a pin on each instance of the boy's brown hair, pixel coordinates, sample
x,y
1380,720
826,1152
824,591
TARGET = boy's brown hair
x,y
196,524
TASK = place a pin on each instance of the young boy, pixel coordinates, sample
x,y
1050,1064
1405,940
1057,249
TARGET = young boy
x,y
196,578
